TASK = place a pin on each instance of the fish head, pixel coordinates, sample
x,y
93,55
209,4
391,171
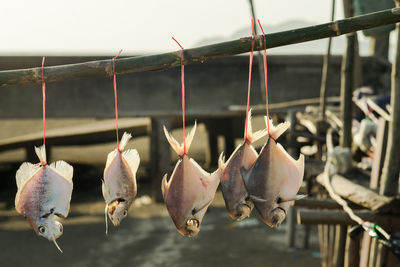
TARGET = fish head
x,y
49,228
117,211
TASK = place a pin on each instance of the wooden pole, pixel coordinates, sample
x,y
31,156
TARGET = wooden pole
x,y
325,69
347,82
160,152
352,254
391,168
333,217
200,54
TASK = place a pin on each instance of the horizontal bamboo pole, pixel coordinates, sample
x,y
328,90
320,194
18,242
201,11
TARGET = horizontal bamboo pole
x,y
200,54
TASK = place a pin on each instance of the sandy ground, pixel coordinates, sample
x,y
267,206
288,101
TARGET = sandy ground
x,y
147,237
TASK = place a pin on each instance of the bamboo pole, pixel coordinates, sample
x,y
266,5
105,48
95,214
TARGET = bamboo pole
x,y
200,54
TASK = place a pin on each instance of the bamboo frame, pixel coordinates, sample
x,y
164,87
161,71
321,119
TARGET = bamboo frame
x,y
200,54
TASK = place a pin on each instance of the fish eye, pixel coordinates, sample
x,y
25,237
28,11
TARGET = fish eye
x,y
61,228
125,212
42,229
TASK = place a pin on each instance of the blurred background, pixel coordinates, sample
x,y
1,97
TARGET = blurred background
x,y
80,124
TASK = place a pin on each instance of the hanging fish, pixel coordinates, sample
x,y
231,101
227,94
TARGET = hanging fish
x,y
44,193
190,189
274,179
237,200
119,184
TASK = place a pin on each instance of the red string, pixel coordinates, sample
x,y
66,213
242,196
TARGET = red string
x,y
249,84
183,96
44,102
116,99
265,74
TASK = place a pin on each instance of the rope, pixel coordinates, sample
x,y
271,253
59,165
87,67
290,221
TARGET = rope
x,y
368,226
265,75
44,102
183,97
116,98
249,84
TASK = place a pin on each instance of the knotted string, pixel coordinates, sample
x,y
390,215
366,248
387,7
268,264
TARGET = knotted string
x,y
116,99
265,77
44,111
249,84
183,96
44,102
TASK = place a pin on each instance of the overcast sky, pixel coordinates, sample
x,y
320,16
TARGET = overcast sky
x,y
102,27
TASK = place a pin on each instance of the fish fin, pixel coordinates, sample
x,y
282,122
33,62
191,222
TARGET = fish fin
x,y
189,137
300,164
24,173
256,198
105,217
132,158
221,161
55,243
297,197
64,169
124,141
245,175
276,131
174,144
110,157
164,185
253,137
41,153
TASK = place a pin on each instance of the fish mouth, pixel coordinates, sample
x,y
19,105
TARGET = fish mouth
x,y
113,205
277,216
191,228
242,211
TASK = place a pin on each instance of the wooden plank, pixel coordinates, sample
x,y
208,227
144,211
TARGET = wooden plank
x,y
332,217
94,133
361,195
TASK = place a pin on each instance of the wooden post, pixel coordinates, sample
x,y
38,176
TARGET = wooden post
x,y
379,153
340,244
325,69
347,82
391,169
160,156
352,254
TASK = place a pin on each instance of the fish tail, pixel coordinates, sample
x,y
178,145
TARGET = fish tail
x,y
124,141
189,137
179,148
41,153
276,131
253,137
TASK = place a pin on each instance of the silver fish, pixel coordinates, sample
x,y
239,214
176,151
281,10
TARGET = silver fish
x,y
190,189
44,193
237,200
274,179
119,185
